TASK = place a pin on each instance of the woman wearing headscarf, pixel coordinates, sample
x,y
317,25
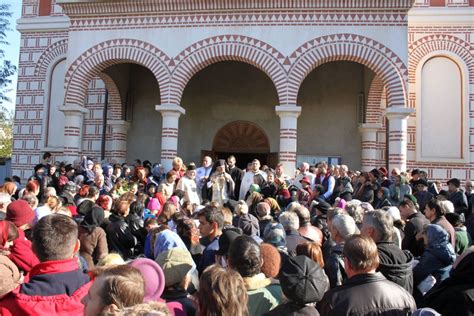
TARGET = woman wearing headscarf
x,y
437,258
383,195
92,237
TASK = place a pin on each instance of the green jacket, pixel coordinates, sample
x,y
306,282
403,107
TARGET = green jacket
x,y
263,296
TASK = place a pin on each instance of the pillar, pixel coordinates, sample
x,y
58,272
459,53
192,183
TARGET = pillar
x,y
397,136
73,117
118,142
169,132
368,132
288,136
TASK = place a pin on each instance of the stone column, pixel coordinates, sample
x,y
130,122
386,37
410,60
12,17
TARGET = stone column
x,y
368,132
288,136
169,132
118,141
397,136
73,117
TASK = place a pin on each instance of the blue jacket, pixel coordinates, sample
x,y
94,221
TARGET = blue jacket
x,y
438,256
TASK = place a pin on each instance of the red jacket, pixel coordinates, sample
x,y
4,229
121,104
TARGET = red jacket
x,y
55,288
22,254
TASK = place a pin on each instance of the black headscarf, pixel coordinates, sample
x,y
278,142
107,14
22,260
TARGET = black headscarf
x,y
93,218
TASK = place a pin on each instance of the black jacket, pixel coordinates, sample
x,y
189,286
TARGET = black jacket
x,y
293,309
120,238
395,265
455,295
367,294
334,266
414,225
459,201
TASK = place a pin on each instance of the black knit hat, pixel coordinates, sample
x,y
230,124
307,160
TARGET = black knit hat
x,y
302,280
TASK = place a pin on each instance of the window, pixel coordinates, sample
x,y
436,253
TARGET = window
x,y
441,109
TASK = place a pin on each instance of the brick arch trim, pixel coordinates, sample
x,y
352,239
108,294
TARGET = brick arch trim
x,y
110,53
349,47
374,98
440,42
115,99
54,52
226,48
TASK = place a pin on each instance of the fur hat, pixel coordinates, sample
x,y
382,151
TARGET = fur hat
x,y
176,263
19,212
271,260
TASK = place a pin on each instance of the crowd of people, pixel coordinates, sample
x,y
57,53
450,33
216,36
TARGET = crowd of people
x,y
133,239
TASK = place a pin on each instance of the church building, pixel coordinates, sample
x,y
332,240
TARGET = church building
x,y
365,83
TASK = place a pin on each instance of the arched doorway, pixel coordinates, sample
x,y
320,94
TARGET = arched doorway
x,y
246,141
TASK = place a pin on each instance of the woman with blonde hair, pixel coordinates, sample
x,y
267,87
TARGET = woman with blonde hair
x,y
221,292
179,168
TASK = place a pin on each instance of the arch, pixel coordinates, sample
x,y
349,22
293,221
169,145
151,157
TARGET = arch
x,y
241,137
374,99
439,43
349,47
51,56
226,48
115,99
113,52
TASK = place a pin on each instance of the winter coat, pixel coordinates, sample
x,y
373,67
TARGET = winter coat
x,y
119,237
415,224
263,296
397,193
367,294
334,266
293,239
54,288
395,265
438,257
459,201
455,295
365,194
21,253
93,245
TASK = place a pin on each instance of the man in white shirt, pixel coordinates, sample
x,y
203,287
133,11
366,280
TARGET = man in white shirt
x,y
203,173
188,185
247,180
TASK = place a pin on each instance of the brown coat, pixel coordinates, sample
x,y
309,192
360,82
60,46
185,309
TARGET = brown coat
x,y
93,245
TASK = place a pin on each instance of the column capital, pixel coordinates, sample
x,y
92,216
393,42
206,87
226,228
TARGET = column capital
x,y
77,109
170,108
118,123
398,112
288,110
370,127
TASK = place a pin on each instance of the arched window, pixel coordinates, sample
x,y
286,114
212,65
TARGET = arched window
x,y
441,110
55,119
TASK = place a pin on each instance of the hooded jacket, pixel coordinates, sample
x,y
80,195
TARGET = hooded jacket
x,y
455,295
438,257
54,288
396,264
263,295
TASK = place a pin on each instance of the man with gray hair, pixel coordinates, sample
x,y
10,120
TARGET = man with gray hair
x,y
395,264
291,224
342,227
5,199
304,172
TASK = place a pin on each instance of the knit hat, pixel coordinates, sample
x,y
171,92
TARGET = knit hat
x,y
9,275
153,276
305,179
70,187
227,237
302,280
271,260
263,209
153,204
176,263
254,188
383,171
274,234
284,193
394,212
20,213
